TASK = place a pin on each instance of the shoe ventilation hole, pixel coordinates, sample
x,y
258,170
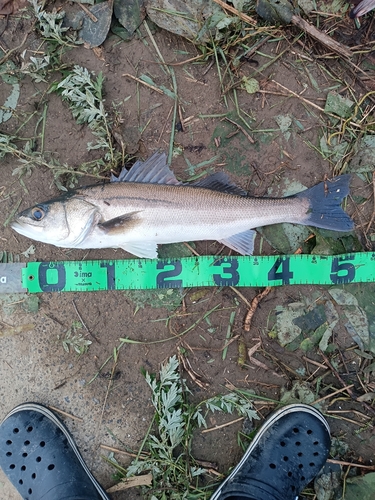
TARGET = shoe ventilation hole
x,y
315,443
312,464
29,491
316,454
293,487
12,466
272,466
42,444
20,481
8,453
285,459
38,459
282,443
29,429
24,455
300,466
309,431
300,454
23,467
9,442
26,443
51,467
298,443
295,430
16,431
289,474
303,478
33,475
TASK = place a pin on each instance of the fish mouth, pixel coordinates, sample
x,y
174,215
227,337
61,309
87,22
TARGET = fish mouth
x,y
25,229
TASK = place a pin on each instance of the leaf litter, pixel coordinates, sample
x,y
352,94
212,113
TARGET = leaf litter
x,y
316,319
311,322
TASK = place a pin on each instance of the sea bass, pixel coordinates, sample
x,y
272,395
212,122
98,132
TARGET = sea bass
x,y
147,205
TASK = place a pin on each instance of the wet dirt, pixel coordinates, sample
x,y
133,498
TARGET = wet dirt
x,y
116,412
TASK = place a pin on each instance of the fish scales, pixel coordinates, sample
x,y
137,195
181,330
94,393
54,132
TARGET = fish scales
x,y
192,205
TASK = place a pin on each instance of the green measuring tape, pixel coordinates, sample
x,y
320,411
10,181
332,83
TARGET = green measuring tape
x,y
248,271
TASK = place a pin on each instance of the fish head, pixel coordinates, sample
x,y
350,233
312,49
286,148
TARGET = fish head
x,y
63,222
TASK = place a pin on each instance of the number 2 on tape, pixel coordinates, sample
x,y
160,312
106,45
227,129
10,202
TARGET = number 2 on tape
x,y
163,279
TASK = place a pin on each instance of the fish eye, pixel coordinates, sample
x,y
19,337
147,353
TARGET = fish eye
x,y
37,213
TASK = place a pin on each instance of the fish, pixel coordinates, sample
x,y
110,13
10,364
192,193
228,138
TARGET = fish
x,y
362,8
147,206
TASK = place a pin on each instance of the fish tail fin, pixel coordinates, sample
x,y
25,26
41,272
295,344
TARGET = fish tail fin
x,y
325,204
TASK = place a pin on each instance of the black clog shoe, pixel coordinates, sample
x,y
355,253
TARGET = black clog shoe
x,y
41,459
285,455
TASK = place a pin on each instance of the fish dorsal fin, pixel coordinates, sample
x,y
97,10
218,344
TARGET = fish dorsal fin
x,y
242,243
155,170
220,182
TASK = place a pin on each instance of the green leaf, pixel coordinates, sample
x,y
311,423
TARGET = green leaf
x,y
251,85
11,101
307,5
300,393
284,122
338,105
364,159
94,33
360,488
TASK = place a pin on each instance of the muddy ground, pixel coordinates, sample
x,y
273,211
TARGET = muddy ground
x,y
35,367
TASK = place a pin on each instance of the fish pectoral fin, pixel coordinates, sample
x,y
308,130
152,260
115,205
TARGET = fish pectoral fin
x,y
242,243
120,224
220,182
154,170
145,249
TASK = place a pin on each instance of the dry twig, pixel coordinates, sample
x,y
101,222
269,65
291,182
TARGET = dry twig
x,y
254,305
83,323
324,39
242,130
143,83
222,425
62,412
189,369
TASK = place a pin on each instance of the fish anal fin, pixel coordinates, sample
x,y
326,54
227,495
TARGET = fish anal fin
x,y
144,249
120,224
242,243
155,170
220,182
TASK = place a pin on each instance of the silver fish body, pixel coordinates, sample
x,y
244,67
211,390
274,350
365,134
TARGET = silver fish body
x,y
148,206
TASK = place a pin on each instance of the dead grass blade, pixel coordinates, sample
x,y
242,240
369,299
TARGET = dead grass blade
x,y
241,15
222,425
132,482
